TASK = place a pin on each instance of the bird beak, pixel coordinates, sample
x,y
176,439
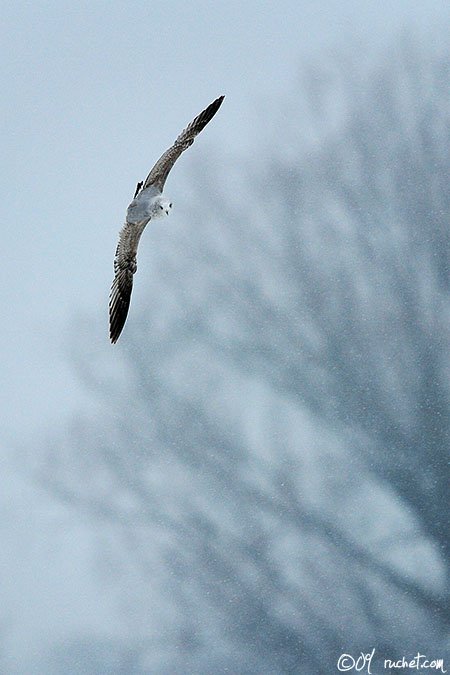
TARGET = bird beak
x,y
167,212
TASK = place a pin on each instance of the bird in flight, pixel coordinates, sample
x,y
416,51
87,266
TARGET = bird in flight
x,y
148,203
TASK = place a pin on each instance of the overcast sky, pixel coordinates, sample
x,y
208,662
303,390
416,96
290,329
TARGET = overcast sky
x,y
91,94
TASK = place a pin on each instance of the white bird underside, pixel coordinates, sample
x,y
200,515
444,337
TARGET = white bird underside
x,y
146,205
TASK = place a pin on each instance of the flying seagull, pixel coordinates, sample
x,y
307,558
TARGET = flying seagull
x,y
148,203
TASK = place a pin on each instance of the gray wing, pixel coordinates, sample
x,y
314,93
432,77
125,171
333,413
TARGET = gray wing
x,y
125,265
158,175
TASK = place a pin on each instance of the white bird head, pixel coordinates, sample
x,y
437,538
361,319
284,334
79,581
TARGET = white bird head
x,y
162,207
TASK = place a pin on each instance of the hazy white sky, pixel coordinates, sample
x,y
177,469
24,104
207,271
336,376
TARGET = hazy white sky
x,y
92,93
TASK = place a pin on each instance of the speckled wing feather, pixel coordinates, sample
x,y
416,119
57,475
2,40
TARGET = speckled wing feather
x,y
125,265
160,171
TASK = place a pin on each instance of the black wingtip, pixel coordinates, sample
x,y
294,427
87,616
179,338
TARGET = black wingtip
x,y
119,303
115,330
114,336
209,112
217,103
116,324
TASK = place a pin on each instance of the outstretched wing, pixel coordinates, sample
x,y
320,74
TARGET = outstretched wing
x,y
125,265
160,171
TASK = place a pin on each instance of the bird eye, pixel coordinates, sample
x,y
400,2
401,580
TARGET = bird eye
x,y
161,207
170,206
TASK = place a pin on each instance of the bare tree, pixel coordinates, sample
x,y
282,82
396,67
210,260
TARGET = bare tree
x,y
325,279
335,291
